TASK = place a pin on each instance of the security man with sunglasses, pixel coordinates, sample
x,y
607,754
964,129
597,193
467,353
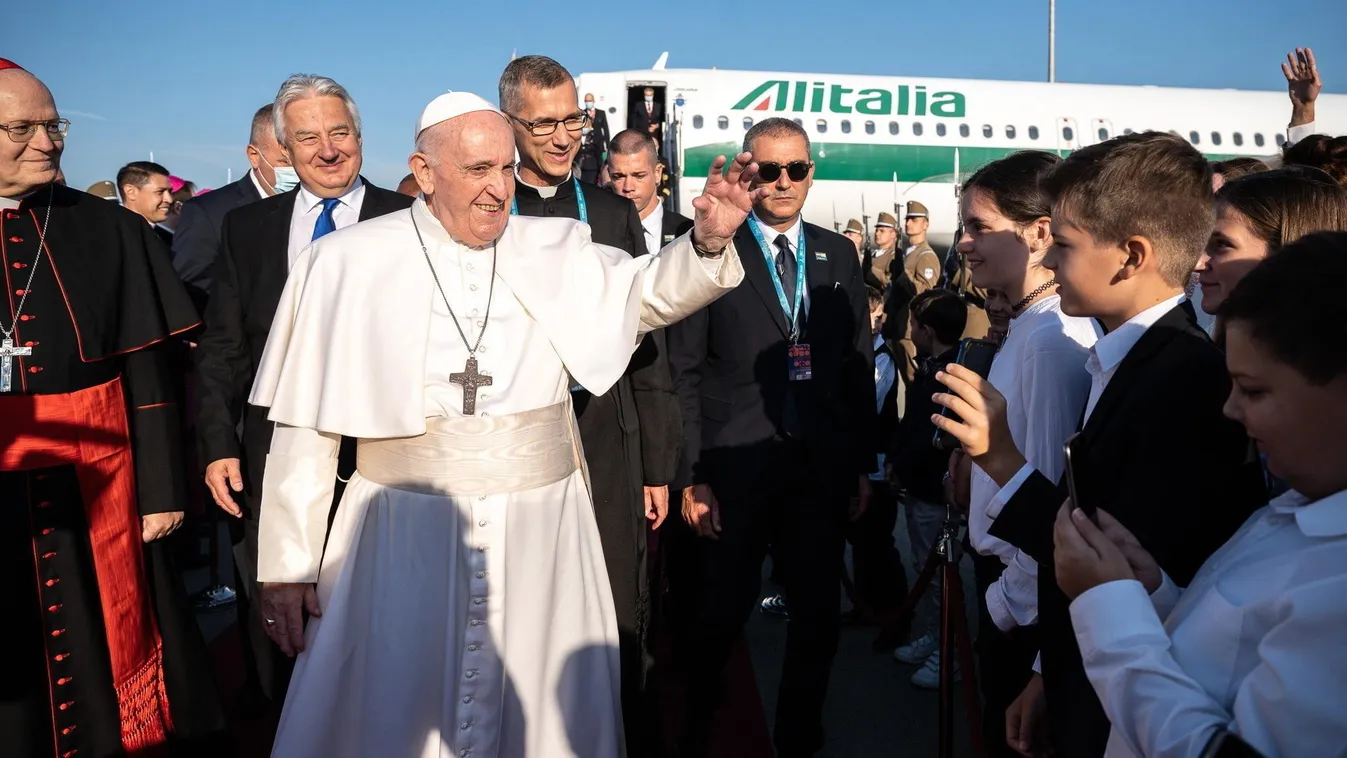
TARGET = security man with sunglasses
x,y
776,387
631,433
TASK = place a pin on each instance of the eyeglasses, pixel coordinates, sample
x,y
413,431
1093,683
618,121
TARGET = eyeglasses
x,y
24,131
796,170
544,127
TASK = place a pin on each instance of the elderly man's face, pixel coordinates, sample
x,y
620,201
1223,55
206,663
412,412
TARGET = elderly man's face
x,y
468,178
323,145
551,155
36,161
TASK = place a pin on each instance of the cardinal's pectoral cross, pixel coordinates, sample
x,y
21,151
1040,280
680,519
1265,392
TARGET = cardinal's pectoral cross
x,y
469,378
7,354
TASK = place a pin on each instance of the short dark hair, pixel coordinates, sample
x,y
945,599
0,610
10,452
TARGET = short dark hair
x,y
1148,184
1015,184
873,294
136,174
1236,167
633,142
1290,299
1320,151
536,70
774,127
942,311
1284,205
264,123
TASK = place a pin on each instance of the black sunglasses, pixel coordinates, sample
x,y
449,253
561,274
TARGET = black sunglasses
x,y
796,170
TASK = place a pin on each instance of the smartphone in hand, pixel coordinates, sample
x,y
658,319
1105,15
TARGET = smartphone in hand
x,y
976,356
1070,450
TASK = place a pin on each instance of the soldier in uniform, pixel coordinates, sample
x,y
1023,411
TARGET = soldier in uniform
x,y
886,248
856,233
920,261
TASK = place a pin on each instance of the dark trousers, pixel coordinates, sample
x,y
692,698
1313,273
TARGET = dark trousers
x,y
267,667
1005,661
880,579
801,513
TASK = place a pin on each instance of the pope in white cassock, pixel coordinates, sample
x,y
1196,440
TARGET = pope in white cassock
x,y
460,606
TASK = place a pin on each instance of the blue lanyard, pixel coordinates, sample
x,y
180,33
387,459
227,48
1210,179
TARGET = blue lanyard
x,y
579,200
792,313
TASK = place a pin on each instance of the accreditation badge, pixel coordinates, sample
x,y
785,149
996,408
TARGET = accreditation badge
x,y
801,368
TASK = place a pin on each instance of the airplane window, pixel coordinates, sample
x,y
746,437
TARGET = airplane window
x,y
1195,138
821,125
963,130
869,127
748,122
1128,130
1033,132
846,126
723,122
696,122
916,128
893,127
1239,138
1258,139
1215,138
1103,134
940,130
1281,140
1010,132
798,122
1068,133
987,131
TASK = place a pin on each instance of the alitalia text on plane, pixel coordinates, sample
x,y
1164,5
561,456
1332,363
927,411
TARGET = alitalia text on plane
x,y
819,97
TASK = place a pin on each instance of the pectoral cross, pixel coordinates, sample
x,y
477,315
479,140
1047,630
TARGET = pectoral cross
x,y
7,353
469,378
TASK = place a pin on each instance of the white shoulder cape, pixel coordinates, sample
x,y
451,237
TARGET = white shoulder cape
x,y
355,315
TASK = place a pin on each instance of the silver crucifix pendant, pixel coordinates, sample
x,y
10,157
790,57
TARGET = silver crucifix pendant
x,y
471,380
7,354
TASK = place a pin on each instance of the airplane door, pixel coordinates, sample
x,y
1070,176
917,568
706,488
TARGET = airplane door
x,y
1101,130
1068,135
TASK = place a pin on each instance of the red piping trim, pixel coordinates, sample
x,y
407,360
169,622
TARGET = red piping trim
x,y
46,651
9,295
156,405
69,310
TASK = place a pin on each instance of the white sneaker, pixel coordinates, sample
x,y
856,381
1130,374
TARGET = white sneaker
x,y
917,650
928,676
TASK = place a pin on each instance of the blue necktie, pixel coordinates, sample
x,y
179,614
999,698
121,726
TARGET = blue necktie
x,y
325,223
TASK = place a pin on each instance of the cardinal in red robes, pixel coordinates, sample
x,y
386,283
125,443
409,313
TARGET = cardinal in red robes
x,y
102,655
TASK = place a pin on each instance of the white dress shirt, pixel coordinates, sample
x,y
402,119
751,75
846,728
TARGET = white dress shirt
x,y
792,235
1040,369
1295,134
654,227
885,375
261,189
1254,645
308,207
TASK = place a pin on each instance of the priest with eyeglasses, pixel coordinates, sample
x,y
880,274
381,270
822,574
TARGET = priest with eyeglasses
x,y
460,603
102,653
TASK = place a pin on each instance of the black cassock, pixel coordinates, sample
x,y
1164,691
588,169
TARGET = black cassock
x,y
81,599
632,437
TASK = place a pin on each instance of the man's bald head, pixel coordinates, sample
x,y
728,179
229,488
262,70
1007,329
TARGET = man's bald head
x,y
35,159
465,168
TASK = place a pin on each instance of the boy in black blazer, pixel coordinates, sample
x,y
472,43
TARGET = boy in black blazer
x,y
1130,216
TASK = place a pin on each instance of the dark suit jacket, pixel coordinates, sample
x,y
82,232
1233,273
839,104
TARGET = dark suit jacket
x,y
730,367
197,238
250,272
1158,454
673,226
639,120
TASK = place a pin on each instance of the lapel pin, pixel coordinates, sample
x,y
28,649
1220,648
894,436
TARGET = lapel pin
x,y
821,256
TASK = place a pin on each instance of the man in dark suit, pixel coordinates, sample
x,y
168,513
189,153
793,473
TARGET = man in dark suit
x,y
197,239
147,189
593,139
779,416
1155,449
319,127
647,116
630,433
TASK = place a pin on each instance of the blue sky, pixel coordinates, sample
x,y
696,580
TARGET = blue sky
x,y
183,82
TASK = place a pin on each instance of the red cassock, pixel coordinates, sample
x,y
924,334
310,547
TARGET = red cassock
x,y
102,654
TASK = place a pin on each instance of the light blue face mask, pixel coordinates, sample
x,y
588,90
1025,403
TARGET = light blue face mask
x,y
286,177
